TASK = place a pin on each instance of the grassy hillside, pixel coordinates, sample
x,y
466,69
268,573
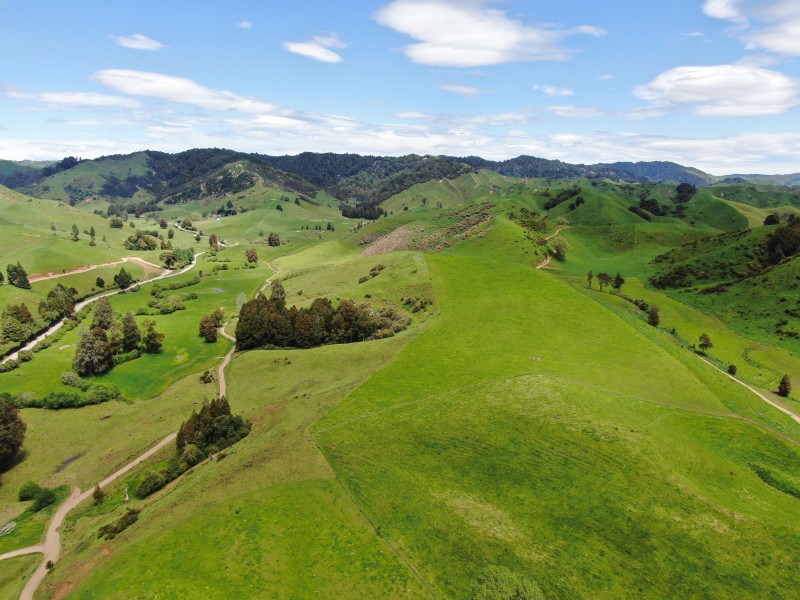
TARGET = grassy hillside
x,y
523,420
545,449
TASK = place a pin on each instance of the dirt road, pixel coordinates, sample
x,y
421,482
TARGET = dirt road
x,y
80,305
546,262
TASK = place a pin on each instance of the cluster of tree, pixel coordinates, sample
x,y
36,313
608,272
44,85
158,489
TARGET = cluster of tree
x,y
17,276
12,432
112,530
123,209
143,240
684,192
203,434
110,341
783,242
85,394
209,325
605,280
267,322
373,273
18,324
273,239
562,196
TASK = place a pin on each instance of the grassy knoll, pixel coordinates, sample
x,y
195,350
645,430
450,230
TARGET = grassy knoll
x,y
530,427
14,573
448,193
274,521
755,216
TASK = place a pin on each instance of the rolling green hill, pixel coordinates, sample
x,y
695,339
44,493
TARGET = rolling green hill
x,y
522,420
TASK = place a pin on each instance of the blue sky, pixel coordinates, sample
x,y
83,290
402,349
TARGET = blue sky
x,y
708,83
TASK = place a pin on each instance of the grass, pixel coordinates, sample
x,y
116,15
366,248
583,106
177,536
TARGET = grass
x,y
560,451
14,573
274,520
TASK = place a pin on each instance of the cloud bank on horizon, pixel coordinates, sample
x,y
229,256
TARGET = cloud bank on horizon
x,y
711,84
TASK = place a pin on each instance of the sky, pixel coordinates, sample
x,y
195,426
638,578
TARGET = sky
x,y
713,84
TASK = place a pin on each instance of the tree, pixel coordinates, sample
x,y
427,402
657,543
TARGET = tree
x,y
603,279
116,223
278,293
103,315
168,258
772,219
274,239
252,255
732,369
100,282
653,316
98,495
93,353
560,247
123,279
12,431
60,302
208,329
18,277
618,282
131,336
92,234
152,341
170,234
213,242
705,342
74,236
589,278
785,386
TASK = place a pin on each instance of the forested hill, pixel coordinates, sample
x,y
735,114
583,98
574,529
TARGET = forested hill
x,y
362,183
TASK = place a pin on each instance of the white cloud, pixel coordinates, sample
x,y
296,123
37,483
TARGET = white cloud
x,y
570,111
137,41
318,48
178,89
606,77
722,90
464,33
723,9
551,90
244,25
772,25
75,99
464,90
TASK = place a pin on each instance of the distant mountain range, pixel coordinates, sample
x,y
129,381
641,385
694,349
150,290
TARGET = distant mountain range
x,y
364,181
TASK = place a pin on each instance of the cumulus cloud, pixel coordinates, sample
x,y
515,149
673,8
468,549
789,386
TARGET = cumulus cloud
x,y
137,41
551,90
178,89
772,25
244,25
318,48
464,90
464,33
723,90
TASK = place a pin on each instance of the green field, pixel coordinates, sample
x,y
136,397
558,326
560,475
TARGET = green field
x,y
523,420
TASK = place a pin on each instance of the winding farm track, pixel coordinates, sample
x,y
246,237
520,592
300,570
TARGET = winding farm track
x,y
135,259
53,328
223,387
546,262
765,398
51,548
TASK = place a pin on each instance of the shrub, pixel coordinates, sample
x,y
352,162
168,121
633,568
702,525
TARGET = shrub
x,y
151,483
72,379
111,530
732,369
101,392
192,455
43,499
29,491
25,355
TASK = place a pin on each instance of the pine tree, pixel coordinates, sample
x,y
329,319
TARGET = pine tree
x,y
131,336
589,278
152,341
123,279
618,282
92,234
785,386
74,236
93,353
278,293
103,315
